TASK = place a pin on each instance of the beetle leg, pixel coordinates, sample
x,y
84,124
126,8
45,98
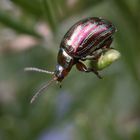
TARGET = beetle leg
x,y
60,84
95,72
81,67
90,57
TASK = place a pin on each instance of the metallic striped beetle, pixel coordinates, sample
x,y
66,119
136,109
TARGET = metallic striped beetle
x,y
85,40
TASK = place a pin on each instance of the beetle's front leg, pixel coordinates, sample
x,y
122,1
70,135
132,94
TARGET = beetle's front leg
x,y
82,67
90,57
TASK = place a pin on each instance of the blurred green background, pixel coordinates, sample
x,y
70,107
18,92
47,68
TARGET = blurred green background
x,y
85,108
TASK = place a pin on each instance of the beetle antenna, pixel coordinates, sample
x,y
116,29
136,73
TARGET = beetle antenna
x,y
38,70
42,89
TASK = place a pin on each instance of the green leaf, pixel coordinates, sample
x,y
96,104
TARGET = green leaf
x,y
18,26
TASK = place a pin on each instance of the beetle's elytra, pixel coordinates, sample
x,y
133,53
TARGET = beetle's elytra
x,y
88,39
86,35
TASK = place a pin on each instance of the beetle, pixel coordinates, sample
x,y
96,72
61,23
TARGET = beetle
x,y
85,40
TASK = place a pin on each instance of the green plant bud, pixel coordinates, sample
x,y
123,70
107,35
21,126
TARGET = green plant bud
x,y
107,58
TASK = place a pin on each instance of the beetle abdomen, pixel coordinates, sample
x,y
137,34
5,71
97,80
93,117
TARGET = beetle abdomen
x,y
85,36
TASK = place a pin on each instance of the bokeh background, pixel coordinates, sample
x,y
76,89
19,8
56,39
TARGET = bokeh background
x,y
85,108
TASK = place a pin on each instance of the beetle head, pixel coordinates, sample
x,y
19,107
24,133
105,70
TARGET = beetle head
x,y
60,72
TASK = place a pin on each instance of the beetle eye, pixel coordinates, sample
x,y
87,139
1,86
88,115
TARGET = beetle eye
x,y
59,68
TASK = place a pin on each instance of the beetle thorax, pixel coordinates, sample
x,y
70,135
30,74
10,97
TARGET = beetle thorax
x,y
64,64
